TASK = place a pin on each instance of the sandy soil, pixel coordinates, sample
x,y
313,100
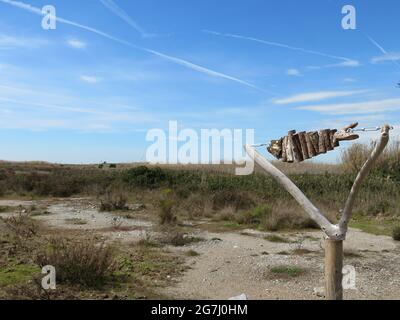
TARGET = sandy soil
x,y
240,263
233,263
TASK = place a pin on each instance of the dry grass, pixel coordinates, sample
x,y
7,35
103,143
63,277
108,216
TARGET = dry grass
x,y
114,200
84,263
20,229
166,208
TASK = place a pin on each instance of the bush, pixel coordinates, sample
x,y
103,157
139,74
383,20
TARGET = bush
x,y
388,164
80,263
166,208
255,216
355,156
396,233
145,177
286,216
231,198
114,200
21,229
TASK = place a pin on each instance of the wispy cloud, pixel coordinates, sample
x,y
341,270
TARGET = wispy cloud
x,y
345,61
76,44
10,42
175,60
90,79
293,72
394,57
55,111
363,107
114,8
387,57
343,64
349,80
316,96
202,69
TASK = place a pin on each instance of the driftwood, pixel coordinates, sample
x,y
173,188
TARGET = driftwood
x,y
297,147
303,145
335,234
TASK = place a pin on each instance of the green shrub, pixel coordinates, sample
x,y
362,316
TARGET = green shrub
x,y
284,271
145,177
255,216
378,207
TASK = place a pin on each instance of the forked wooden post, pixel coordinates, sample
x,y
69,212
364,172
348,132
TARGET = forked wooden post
x,y
335,234
333,269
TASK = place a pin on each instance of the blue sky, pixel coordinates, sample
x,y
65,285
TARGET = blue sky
x,y
75,95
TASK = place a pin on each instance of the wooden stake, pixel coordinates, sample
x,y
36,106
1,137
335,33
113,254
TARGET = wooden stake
x,y
321,142
303,143
298,154
327,139
310,148
315,141
333,270
284,149
290,146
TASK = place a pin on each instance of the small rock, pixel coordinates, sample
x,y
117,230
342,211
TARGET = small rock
x,y
319,292
137,207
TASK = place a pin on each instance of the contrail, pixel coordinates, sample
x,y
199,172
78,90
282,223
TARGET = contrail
x,y
187,64
277,44
376,44
113,7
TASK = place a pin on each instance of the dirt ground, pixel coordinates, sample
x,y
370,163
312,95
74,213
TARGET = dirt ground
x,y
235,262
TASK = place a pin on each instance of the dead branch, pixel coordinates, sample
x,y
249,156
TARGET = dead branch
x,y
379,148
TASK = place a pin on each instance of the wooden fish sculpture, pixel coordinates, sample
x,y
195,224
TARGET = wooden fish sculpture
x,y
297,147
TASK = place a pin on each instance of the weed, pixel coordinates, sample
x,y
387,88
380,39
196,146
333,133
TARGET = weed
x,y
82,263
396,233
166,206
114,200
284,271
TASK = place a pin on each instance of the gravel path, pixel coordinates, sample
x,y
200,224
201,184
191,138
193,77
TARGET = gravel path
x,y
240,264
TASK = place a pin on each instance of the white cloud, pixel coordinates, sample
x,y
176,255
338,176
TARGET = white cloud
x,y
10,42
347,63
36,109
316,96
349,80
362,107
90,79
387,57
76,44
293,72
